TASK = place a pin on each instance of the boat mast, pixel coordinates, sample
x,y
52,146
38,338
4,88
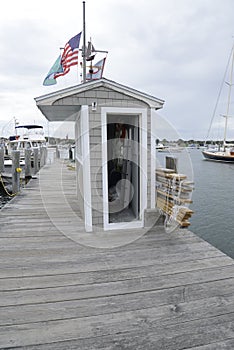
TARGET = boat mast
x,y
229,98
15,125
84,45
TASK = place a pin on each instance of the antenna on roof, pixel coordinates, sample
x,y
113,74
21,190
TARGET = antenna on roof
x,y
84,45
88,54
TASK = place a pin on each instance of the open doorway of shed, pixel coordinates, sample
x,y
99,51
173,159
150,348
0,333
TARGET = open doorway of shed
x,y
123,154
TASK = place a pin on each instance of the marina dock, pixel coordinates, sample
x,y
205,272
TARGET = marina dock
x,y
159,291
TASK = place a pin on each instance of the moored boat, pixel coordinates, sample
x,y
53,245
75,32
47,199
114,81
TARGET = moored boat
x,y
32,136
226,151
220,156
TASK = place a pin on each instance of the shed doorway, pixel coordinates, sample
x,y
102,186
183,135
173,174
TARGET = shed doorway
x,y
123,171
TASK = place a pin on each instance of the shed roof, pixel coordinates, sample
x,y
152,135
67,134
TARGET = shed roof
x,y
55,112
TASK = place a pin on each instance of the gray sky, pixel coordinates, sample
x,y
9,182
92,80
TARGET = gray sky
x,y
176,50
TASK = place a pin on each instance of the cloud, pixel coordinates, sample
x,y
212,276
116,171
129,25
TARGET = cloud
x,y
175,50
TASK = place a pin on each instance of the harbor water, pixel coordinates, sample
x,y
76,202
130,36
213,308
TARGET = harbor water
x,y
213,198
3,197
213,202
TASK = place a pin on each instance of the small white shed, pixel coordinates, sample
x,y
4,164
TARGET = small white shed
x,y
115,150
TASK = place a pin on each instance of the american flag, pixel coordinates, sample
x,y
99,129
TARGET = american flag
x,y
70,55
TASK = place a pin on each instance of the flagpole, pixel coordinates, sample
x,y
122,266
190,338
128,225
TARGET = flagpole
x,y
84,46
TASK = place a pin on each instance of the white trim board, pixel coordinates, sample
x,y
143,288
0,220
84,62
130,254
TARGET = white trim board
x,y
142,114
86,168
153,165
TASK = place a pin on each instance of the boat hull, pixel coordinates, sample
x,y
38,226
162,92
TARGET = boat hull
x,y
218,157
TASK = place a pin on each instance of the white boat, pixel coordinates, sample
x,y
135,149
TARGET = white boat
x,y
8,162
26,137
30,137
161,147
225,153
169,148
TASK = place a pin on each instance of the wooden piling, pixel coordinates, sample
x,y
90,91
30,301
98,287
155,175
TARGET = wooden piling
x,y
35,160
15,171
42,156
28,167
57,152
2,160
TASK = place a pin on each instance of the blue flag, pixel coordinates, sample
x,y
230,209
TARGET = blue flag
x,y
56,68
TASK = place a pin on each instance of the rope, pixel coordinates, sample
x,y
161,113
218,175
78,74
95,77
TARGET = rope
x,y
5,189
167,216
170,222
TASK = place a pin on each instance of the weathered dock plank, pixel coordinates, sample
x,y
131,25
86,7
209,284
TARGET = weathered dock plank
x,y
161,291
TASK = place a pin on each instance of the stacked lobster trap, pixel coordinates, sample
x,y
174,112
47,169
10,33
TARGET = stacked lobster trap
x,y
174,192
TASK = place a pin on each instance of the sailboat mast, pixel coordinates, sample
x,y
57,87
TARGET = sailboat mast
x,y
229,98
84,45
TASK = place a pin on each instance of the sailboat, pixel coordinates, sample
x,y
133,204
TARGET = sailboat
x,y
225,153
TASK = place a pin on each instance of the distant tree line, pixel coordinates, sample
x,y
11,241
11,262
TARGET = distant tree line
x,y
184,143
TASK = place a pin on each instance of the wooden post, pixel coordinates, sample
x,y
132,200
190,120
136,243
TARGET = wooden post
x,y
171,163
35,160
57,152
2,160
15,171
42,156
50,155
70,153
28,167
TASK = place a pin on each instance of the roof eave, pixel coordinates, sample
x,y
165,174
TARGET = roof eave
x,y
152,101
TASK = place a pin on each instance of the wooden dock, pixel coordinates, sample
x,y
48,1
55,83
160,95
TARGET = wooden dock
x,y
162,291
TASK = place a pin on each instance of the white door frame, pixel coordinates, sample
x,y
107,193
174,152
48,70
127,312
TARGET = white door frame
x,y
84,130
153,162
142,115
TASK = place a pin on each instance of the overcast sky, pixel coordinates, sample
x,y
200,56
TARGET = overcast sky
x,y
176,50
